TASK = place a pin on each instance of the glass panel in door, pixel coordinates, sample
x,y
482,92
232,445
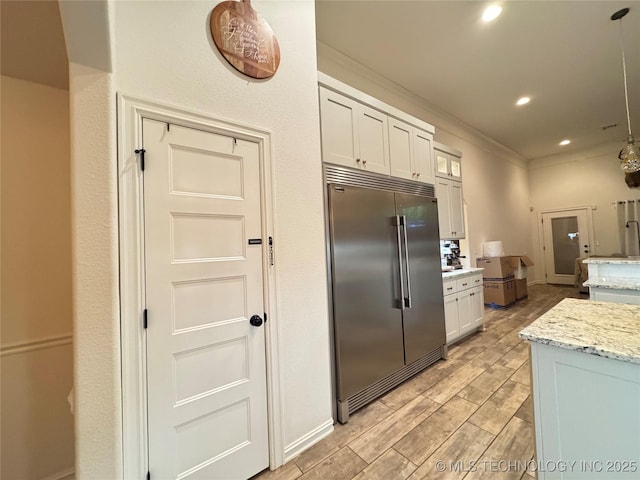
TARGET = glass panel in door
x,y
566,238
442,164
566,244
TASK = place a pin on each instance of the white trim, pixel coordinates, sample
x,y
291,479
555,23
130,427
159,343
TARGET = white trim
x,y
36,344
131,111
307,440
66,474
592,243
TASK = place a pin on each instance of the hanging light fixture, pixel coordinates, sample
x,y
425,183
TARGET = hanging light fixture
x,y
630,155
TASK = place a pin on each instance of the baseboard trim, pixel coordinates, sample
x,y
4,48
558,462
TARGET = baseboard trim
x,y
66,474
314,436
36,344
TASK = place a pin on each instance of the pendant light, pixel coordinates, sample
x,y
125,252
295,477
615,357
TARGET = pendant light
x,y
630,155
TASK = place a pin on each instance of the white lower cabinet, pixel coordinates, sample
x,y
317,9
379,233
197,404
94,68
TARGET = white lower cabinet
x,y
586,415
463,305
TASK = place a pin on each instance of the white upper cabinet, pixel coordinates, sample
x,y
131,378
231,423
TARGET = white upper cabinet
x,y
353,134
360,131
448,165
450,209
410,152
448,171
373,136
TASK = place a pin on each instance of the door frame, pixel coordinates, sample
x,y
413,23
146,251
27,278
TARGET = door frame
x,y
589,212
131,111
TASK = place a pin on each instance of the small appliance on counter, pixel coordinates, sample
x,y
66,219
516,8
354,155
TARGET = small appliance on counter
x,y
450,255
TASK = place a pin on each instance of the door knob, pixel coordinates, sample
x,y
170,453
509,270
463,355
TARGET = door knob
x,y
255,320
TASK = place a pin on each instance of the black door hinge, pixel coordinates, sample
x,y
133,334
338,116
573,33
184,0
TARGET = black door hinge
x,y
144,318
141,152
265,317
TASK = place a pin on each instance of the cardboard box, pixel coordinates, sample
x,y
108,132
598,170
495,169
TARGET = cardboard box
x,y
520,264
495,268
521,288
498,293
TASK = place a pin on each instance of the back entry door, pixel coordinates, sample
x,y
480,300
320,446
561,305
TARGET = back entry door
x,y
207,408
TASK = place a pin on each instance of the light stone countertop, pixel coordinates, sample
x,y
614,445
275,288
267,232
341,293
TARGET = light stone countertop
x,y
618,283
604,329
621,260
460,273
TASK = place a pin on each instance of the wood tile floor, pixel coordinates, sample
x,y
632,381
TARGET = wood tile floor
x,y
473,407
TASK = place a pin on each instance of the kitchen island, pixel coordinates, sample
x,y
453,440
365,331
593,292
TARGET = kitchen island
x,y
585,362
614,279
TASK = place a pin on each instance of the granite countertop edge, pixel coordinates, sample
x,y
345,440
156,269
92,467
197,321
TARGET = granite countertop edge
x,y
621,260
460,272
614,283
604,329
588,349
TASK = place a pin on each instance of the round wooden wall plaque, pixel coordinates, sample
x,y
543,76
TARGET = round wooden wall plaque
x,y
245,39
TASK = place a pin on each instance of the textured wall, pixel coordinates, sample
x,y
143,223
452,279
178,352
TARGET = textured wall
x,y
163,52
37,370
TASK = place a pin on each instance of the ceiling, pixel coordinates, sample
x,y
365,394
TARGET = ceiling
x,y
565,55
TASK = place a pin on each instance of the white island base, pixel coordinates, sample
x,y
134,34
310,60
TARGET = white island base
x,y
585,361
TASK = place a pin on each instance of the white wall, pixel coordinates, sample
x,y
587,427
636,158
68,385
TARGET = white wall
x,y
495,180
163,52
586,178
36,320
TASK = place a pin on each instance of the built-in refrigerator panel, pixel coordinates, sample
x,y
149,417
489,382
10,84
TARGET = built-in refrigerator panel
x,y
423,316
366,287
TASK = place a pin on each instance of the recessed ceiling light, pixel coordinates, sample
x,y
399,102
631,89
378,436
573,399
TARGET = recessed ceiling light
x,y
523,101
564,142
491,13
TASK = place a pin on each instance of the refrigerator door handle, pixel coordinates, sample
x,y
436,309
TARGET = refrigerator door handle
x,y
398,224
406,301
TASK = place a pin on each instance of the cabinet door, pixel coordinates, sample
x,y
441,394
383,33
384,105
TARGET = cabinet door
x,y
400,149
441,164
465,319
422,156
456,210
477,306
338,122
451,317
455,168
442,194
373,140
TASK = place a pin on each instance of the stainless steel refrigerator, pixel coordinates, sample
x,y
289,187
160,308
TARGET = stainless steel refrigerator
x,y
388,314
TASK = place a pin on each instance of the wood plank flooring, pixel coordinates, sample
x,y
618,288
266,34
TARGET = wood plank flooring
x,y
474,408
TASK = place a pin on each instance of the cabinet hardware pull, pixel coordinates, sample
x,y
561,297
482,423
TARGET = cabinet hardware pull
x,y
398,225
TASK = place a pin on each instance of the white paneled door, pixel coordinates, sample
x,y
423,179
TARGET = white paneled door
x,y
207,407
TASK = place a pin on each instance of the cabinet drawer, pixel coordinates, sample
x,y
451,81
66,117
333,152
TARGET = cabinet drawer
x,y
449,287
476,281
464,283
